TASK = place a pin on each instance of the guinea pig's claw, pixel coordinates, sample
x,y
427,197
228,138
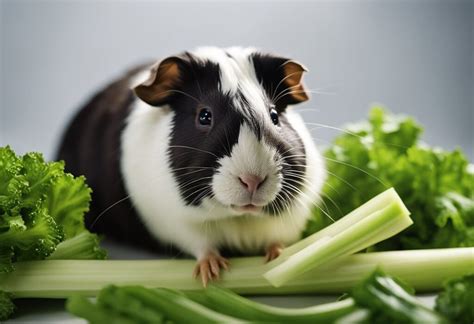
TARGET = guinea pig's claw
x,y
209,267
273,251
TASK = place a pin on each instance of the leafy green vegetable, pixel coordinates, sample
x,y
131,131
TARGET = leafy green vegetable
x,y
6,305
67,201
391,301
41,213
456,301
436,186
40,206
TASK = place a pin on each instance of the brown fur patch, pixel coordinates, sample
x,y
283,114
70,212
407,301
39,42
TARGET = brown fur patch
x,y
163,78
293,77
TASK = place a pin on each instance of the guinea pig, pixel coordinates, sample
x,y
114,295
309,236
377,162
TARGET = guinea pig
x,y
202,151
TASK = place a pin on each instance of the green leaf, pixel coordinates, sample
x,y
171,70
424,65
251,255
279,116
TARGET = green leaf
x,y
437,186
67,201
40,205
38,240
391,301
456,301
6,305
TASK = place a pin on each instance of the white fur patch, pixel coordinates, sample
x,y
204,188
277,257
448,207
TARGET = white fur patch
x,y
248,156
237,74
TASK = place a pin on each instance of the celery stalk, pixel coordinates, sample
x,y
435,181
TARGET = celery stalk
x,y
177,307
226,302
84,246
82,307
425,270
372,229
377,203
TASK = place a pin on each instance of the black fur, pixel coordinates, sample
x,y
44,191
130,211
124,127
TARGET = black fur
x,y
91,147
203,147
271,75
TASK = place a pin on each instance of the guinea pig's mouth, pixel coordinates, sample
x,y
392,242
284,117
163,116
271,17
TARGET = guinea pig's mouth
x,y
247,209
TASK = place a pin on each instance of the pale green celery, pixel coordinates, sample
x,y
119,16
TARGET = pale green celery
x,y
226,302
84,246
83,307
370,230
377,203
176,307
425,270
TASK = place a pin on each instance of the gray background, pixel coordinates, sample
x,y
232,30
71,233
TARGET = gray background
x,y
416,57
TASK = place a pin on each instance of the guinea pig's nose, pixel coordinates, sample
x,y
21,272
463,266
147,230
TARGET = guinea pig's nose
x,y
251,182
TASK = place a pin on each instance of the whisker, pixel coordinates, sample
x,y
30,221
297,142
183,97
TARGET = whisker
x,y
279,83
107,209
357,168
184,185
285,92
348,132
306,185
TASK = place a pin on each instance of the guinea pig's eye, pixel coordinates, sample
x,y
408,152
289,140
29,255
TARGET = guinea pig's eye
x,y
274,116
204,117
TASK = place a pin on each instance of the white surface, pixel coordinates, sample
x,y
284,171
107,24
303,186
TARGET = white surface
x,y
52,311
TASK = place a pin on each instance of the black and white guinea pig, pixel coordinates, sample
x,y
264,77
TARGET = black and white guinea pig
x,y
201,151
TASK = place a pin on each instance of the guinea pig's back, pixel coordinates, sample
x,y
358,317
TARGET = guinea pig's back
x,y
91,147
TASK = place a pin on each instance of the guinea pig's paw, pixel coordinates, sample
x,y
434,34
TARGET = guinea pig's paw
x,y
209,267
273,251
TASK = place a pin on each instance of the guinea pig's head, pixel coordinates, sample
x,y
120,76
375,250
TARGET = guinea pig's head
x,y
233,142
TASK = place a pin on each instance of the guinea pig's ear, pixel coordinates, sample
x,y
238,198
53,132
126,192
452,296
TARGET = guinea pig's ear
x,y
281,78
163,78
293,76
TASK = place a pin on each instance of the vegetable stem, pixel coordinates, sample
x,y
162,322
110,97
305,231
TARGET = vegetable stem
x,y
84,246
375,204
425,270
371,229
226,302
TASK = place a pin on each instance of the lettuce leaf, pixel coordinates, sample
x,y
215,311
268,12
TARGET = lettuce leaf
x,y
40,207
456,301
437,186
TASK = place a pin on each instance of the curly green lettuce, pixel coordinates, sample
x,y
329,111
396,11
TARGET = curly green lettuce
x,y
6,305
456,301
437,186
40,207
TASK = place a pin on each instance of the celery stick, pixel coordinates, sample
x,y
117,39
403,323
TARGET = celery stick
x,y
378,202
84,246
425,270
176,307
378,226
82,307
118,301
226,302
